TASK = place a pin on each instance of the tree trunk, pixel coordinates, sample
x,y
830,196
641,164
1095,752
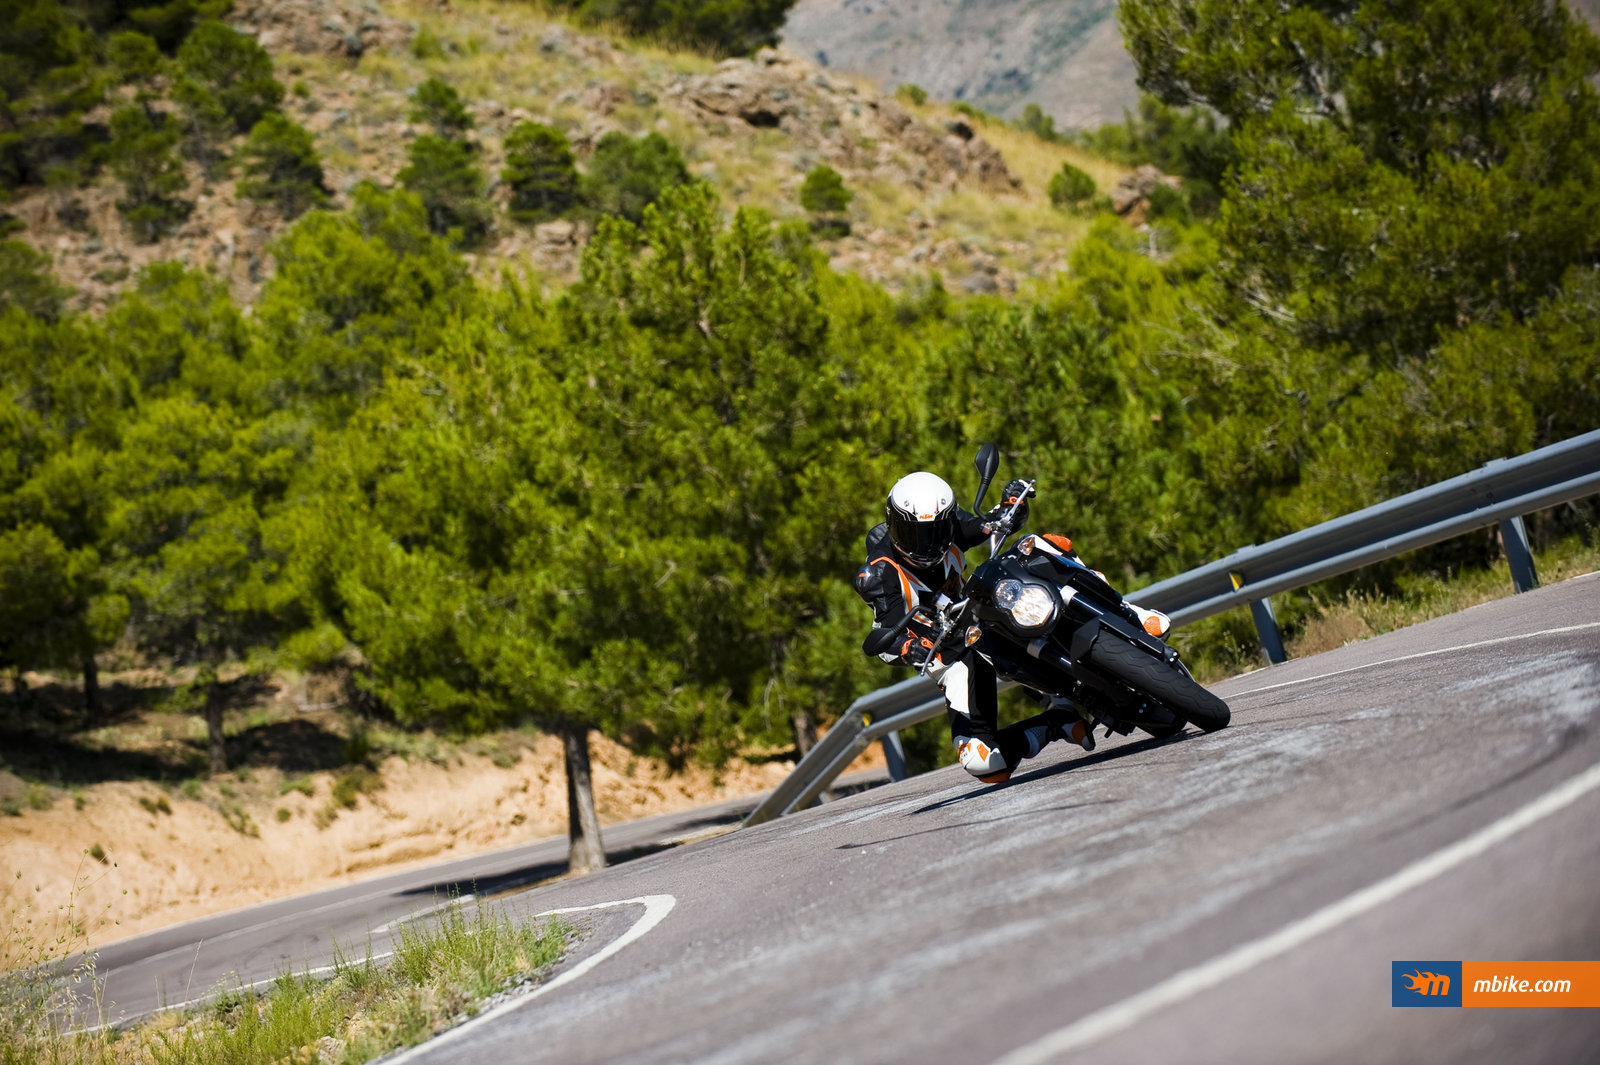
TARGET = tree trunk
x,y
805,732
585,852
219,750
91,686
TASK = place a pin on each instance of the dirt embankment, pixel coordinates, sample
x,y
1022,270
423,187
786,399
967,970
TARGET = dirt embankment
x,y
168,857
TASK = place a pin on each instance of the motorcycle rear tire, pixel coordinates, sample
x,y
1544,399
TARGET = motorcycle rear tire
x,y
1146,674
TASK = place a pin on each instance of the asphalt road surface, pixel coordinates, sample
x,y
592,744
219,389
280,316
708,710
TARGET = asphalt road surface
x,y
186,962
1235,897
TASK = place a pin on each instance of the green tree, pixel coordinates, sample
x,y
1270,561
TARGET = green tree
x,y
1041,125
135,57
1434,162
1070,187
143,159
541,171
440,106
444,174
626,175
281,167
26,281
724,27
234,68
824,195
208,128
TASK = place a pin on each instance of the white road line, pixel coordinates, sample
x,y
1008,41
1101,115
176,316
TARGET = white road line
x,y
656,907
1176,988
1421,654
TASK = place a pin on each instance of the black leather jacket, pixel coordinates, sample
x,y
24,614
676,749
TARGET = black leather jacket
x,y
891,585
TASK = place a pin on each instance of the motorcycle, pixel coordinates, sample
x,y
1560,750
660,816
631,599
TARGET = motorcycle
x,y
1059,629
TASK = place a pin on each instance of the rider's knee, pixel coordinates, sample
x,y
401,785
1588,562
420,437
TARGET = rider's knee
x,y
981,760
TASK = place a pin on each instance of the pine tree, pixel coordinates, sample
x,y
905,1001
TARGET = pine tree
x,y
626,175
142,157
440,106
541,171
281,167
236,70
1070,187
444,173
824,195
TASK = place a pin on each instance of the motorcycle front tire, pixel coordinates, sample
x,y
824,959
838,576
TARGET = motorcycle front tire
x,y
1148,675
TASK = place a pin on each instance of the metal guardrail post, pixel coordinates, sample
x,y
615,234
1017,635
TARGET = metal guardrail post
x,y
1266,620
894,753
1514,538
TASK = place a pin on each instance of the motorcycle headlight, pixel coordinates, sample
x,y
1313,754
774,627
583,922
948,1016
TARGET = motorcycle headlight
x,y
1030,605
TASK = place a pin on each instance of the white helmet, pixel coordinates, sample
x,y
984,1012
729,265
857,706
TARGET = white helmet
x,y
921,514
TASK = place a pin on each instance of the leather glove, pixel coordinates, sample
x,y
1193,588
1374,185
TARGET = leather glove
x,y
1014,490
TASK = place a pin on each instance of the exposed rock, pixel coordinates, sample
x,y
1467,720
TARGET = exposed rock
x,y
1132,193
318,27
557,234
740,88
605,98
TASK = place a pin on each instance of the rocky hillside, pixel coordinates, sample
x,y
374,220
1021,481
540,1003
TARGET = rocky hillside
x,y
933,189
1064,55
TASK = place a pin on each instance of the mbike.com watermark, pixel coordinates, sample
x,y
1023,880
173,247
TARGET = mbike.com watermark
x,y
1495,983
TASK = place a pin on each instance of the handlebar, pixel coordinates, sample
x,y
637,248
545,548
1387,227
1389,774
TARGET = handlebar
x,y
880,641
996,537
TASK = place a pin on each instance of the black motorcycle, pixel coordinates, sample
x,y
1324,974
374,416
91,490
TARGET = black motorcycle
x,y
1059,629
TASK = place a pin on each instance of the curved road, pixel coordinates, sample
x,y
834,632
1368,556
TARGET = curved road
x,y
1236,897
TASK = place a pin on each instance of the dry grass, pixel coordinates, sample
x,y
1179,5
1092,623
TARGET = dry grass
x,y
358,1009
1315,621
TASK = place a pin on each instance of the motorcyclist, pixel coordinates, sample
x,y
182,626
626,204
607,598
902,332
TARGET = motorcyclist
x,y
915,558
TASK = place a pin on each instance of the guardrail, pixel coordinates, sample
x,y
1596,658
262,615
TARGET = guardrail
x,y
1499,493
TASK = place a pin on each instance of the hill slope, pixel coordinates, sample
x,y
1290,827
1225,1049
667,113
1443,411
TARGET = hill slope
x,y
932,192
1064,55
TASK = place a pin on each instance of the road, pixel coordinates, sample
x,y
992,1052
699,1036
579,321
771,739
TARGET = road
x,y
185,962
1234,897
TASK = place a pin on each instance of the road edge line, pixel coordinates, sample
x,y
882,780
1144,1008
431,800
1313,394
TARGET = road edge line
x,y
656,908
1114,1018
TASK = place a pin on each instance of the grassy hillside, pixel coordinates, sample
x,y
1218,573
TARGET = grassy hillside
x,y
925,198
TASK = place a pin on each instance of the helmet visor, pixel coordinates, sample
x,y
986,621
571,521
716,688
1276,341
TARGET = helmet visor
x,y
922,542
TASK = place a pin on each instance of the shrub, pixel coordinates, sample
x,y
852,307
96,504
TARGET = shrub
x,y
445,176
627,175
98,853
541,172
961,107
823,191
440,106
1036,122
283,814
281,167
912,94
426,45
1071,187
235,68
156,805
142,157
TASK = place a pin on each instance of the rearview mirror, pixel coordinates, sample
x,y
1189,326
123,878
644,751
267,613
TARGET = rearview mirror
x,y
988,463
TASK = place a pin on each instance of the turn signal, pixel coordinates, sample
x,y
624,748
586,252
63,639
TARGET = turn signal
x,y
1152,625
974,634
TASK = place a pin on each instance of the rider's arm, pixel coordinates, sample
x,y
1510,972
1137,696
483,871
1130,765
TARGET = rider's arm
x,y
885,590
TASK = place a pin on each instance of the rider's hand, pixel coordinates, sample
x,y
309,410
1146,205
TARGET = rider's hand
x,y
920,645
1015,490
